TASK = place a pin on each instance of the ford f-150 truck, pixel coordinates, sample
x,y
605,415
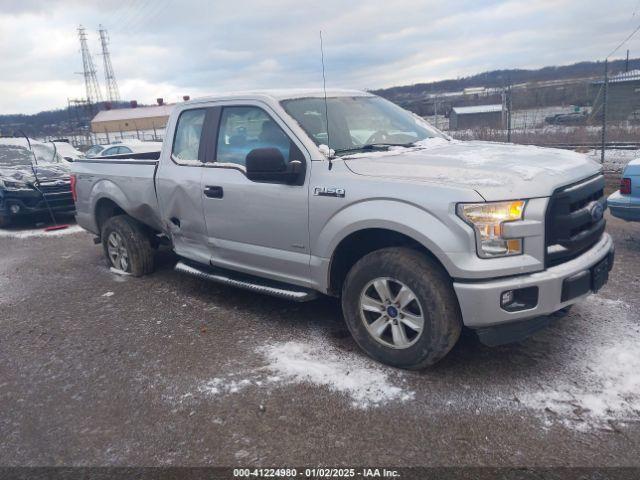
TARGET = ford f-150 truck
x,y
418,234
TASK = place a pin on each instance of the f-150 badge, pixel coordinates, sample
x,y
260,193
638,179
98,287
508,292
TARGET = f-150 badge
x,y
328,192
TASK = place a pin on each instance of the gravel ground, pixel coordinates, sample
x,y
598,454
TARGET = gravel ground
x,y
102,369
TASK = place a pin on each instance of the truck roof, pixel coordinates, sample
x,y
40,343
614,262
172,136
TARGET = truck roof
x,y
283,94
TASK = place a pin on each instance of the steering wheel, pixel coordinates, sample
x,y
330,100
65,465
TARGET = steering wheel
x,y
379,136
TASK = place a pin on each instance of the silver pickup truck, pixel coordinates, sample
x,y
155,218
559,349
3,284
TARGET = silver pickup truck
x,y
418,234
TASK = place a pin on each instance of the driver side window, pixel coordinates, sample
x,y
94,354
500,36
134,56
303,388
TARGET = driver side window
x,y
243,129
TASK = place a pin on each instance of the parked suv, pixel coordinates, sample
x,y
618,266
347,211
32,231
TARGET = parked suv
x,y
31,176
293,194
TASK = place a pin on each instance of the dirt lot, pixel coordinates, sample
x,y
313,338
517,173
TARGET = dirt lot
x,y
101,369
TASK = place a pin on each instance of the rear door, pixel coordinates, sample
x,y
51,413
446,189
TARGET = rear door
x,y
178,182
256,227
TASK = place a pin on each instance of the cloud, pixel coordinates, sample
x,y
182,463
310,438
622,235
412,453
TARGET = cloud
x,y
166,48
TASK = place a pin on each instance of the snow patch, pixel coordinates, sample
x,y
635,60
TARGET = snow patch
x,y
119,272
219,386
366,383
614,160
605,386
314,361
107,294
40,232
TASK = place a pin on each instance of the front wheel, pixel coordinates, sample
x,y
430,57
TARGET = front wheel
x,y
401,308
127,246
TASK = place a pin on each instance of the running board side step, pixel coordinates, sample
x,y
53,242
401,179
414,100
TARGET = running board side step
x,y
247,282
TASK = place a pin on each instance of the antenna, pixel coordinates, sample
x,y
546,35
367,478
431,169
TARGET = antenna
x,y
326,107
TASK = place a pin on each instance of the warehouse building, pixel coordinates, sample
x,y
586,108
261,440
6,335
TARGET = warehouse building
x,y
477,116
144,123
623,97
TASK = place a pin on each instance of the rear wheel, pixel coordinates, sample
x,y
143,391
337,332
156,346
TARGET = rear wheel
x,y
401,308
127,246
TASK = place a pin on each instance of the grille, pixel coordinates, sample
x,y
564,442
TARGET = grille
x,y
58,195
571,226
53,188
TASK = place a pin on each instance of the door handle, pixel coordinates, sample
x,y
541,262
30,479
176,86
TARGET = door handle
x,y
213,191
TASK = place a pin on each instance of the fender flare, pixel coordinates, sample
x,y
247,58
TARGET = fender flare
x,y
405,218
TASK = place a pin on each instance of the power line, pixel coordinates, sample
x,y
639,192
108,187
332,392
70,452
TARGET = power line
x,y
138,16
637,29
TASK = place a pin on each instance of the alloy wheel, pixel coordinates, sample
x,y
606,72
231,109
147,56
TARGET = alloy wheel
x,y
391,312
117,251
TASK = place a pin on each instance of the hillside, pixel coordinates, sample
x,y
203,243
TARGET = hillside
x,y
50,122
500,78
413,97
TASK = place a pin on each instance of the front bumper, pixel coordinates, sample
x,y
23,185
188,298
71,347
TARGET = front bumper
x,y
30,202
480,301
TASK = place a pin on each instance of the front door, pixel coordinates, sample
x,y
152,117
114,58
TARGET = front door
x,y
256,227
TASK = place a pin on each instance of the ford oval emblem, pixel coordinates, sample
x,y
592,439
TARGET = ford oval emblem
x,y
597,211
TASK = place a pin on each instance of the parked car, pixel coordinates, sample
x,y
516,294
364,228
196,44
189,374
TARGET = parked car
x,y
417,233
94,150
573,118
24,195
67,151
625,203
130,149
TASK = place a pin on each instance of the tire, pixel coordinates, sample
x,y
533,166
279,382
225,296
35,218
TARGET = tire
x,y
434,298
4,221
132,238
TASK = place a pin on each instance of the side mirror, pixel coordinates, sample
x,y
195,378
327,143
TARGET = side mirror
x,y
269,165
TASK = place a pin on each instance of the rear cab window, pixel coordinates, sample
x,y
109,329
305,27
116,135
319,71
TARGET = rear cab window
x,y
186,148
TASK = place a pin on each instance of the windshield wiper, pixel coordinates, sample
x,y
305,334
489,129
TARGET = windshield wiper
x,y
372,146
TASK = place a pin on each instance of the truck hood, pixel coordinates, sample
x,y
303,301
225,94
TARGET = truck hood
x,y
46,172
497,171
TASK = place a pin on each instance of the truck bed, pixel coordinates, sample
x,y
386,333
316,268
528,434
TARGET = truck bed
x,y
129,183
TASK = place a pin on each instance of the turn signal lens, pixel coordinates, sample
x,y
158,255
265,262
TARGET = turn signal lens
x,y
74,192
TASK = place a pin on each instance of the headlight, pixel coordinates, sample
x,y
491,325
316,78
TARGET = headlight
x,y
487,220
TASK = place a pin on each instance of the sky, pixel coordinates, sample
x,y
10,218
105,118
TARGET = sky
x,y
167,48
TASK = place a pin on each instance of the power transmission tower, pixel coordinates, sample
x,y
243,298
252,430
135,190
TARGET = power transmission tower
x,y
109,77
89,70
83,112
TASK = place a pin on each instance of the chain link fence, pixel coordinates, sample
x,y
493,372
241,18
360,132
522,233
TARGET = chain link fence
x,y
561,114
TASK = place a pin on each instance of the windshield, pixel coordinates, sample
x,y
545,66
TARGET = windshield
x,y
93,151
17,155
358,123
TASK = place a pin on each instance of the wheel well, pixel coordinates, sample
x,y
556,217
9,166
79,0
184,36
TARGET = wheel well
x,y
358,244
105,209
